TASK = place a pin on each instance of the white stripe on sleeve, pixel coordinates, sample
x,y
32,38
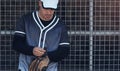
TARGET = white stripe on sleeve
x,y
20,32
64,43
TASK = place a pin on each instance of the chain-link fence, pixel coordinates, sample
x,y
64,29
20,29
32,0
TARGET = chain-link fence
x,y
93,25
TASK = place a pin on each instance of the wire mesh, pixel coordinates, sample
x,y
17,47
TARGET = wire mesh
x,y
93,31
106,43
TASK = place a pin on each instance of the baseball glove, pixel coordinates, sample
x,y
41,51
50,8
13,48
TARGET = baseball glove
x,y
39,64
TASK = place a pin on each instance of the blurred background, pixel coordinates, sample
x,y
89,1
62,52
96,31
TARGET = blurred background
x,y
94,33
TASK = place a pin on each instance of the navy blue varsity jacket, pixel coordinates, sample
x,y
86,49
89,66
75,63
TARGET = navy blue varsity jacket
x,y
31,32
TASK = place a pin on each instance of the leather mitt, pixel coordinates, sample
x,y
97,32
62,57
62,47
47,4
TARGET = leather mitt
x,y
39,64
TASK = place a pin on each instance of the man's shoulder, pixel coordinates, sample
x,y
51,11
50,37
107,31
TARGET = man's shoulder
x,y
61,23
27,15
25,18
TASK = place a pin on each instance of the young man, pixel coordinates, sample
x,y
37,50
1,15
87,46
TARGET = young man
x,y
41,32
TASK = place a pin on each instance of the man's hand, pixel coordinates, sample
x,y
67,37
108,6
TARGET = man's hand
x,y
39,64
37,51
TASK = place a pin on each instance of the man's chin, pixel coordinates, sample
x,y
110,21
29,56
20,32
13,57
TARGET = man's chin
x,y
48,19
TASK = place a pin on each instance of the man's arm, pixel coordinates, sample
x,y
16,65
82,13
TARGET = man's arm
x,y
59,54
20,44
63,49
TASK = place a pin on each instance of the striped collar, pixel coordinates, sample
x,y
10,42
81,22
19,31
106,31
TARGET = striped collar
x,y
39,23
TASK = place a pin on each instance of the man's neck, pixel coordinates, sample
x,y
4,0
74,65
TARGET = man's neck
x,y
42,18
45,23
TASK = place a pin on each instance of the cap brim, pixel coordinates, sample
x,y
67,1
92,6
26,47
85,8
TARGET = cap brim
x,y
50,4
48,7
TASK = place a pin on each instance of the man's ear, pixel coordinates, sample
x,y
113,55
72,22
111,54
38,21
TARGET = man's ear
x,y
40,3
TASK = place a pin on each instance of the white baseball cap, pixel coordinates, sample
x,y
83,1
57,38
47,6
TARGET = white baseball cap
x,y
50,3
